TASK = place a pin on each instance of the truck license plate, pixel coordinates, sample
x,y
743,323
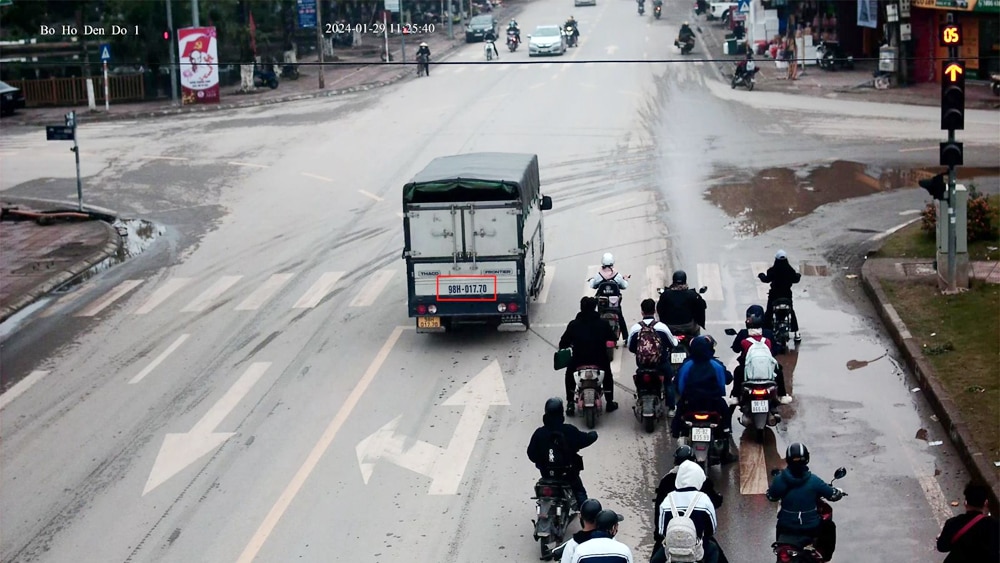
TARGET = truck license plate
x,y
678,357
701,434
758,406
471,287
428,322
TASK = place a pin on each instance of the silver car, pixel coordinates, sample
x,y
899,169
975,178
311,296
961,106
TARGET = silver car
x,y
546,40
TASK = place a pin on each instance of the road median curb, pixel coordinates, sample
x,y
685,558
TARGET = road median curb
x,y
940,400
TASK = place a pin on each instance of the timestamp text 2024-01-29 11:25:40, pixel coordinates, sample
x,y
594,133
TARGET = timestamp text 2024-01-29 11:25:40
x,y
378,28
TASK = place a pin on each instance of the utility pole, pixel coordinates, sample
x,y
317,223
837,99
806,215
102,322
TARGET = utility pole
x,y
173,59
195,22
319,41
451,32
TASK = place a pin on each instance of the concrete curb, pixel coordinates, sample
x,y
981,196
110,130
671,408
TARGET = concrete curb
x,y
111,247
944,407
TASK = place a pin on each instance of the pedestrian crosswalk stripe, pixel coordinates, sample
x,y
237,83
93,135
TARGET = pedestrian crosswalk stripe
x,y
112,296
615,205
760,268
550,272
202,302
162,293
374,287
260,296
591,272
318,290
21,386
710,275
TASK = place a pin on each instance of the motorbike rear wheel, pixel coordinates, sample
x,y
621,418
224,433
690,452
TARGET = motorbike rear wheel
x,y
759,435
649,423
590,416
749,84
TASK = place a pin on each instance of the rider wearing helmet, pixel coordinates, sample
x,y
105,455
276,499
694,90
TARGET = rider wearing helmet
x,y
571,23
799,492
588,336
701,385
512,27
741,343
555,448
680,308
685,32
610,282
588,523
782,276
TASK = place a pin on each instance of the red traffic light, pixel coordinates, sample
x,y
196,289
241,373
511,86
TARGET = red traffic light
x,y
166,35
936,186
951,35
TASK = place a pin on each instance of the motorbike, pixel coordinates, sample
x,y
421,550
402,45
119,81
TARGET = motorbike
x,y
680,352
609,298
702,431
800,549
782,310
589,393
263,77
512,41
488,47
747,78
423,62
657,10
686,46
642,8
758,404
290,71
571,37
555,507
648,408
831,56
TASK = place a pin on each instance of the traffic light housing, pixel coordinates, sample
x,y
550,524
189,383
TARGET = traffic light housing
x,y
936,186
951,154
953,95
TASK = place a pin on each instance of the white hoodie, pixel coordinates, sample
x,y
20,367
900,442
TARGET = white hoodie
x,y
689,474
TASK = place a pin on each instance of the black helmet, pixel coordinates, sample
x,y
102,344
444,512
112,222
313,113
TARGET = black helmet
x,y
590,509
680,277
755,316
554,406
684,453
797,454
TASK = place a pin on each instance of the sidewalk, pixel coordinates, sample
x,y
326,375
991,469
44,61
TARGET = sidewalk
x,y
873,273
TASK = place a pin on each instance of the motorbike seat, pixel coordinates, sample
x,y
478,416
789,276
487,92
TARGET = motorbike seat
x,y
797,541
556,478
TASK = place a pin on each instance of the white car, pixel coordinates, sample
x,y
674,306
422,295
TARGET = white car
x,y
546,40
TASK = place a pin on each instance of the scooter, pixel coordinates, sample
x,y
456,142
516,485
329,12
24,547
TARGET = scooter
x,y
555,507
648,407
800,549
686,46
758,403
512,41
747,78
642,7
831,56
657,9
589,393
488,47
702,430
782,311
263,77
571,37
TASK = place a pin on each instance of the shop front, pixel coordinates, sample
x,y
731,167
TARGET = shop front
x,y
980,21
831,20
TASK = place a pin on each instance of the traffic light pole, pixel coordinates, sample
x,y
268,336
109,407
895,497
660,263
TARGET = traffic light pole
x,y
952,203
173,61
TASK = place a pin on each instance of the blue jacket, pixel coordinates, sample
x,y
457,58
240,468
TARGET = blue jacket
x,y
702,376
798,497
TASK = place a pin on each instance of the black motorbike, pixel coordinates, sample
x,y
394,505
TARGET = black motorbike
x,y
290,71
642,8
745,76
648,408
831,56
555,506
262,77
782,311
686,45
801,549
702,430
657,10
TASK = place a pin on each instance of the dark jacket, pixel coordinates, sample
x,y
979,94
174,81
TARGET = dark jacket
x,y
980,544
424,51
490,36
574,24
678,306
588,335
542,440
782,277
798,496
685,32
702,377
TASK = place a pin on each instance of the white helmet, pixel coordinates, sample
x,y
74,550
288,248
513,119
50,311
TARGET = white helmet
x,y
608,259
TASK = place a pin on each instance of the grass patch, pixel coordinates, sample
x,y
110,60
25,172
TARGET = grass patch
x,y
912,242
964,351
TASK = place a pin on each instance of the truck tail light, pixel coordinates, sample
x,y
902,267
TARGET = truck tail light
x,y
512,307
421,309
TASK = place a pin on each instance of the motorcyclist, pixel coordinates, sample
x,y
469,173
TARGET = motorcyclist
x,y
667,341
571,24
588,523
741,343
512,27
669,483
741,67
425,50
658,4
690,482
588,335
685,33
782,277
799,492
680,308
491,38
609,282
701,384
641,5
555,448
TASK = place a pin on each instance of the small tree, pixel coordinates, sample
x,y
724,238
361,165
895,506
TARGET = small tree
x,y
981,217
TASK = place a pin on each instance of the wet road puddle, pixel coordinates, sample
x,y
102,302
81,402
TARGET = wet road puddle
x,y
775,196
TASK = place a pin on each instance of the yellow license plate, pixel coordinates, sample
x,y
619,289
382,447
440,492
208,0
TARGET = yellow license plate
x,y
428,322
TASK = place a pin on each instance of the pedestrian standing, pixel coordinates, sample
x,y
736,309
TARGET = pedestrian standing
x,y
790,56
973,537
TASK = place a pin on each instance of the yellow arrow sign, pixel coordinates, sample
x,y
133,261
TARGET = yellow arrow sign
x,y
954,70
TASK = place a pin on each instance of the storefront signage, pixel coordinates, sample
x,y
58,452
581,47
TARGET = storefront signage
x,y
980,6
951,35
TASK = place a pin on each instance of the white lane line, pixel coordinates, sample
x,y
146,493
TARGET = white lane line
x,y
591,272
267,290
318,291
371,195
316,176
710,275
543,296
159,359
919,149
910,212
374,287
202,302
256,542
931,488
753,468
164,158
888,232
112,296
248,164
655,279
762,288
21,386
162,293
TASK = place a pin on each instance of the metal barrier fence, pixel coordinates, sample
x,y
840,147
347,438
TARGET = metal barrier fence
x,y
73,91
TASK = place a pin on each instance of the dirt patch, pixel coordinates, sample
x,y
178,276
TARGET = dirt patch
x,y
774,196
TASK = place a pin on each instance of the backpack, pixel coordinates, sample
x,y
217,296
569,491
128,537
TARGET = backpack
x,y
648,346
759,364
559,454
680,539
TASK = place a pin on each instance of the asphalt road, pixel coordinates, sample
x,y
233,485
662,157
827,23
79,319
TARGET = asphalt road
x,y
250,388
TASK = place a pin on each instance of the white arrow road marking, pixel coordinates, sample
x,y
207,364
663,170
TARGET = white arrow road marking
x,y
445,466
710,275
159,359
550,272
318,291
762,288
181,450
21,386
162,293
112,296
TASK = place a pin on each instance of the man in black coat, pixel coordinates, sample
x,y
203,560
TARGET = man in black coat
x,y
782,277
555,448
588,335
972,536
680,308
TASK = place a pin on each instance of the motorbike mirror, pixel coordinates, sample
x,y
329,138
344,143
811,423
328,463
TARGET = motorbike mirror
x,y
840,473
730,332
546,200
660,290
704,289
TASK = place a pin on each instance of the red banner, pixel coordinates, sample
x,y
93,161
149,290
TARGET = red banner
x,y
198,47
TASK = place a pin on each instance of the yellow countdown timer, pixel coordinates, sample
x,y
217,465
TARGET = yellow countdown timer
x,y
951,35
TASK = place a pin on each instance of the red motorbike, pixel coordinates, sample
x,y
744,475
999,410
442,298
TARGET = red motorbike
x,y
805,549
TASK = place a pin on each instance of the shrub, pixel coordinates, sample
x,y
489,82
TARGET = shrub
x,y
980,216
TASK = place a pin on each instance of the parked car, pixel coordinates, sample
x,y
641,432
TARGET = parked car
x,y
11,99
546,40
720,11
478,26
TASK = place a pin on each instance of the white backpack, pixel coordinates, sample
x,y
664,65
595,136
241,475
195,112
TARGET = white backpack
x,y
759,364
680,539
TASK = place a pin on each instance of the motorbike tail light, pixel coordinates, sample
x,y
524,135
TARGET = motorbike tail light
x,y
548,492
512,307
421,309
681,337
758,392
701,417
786,555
